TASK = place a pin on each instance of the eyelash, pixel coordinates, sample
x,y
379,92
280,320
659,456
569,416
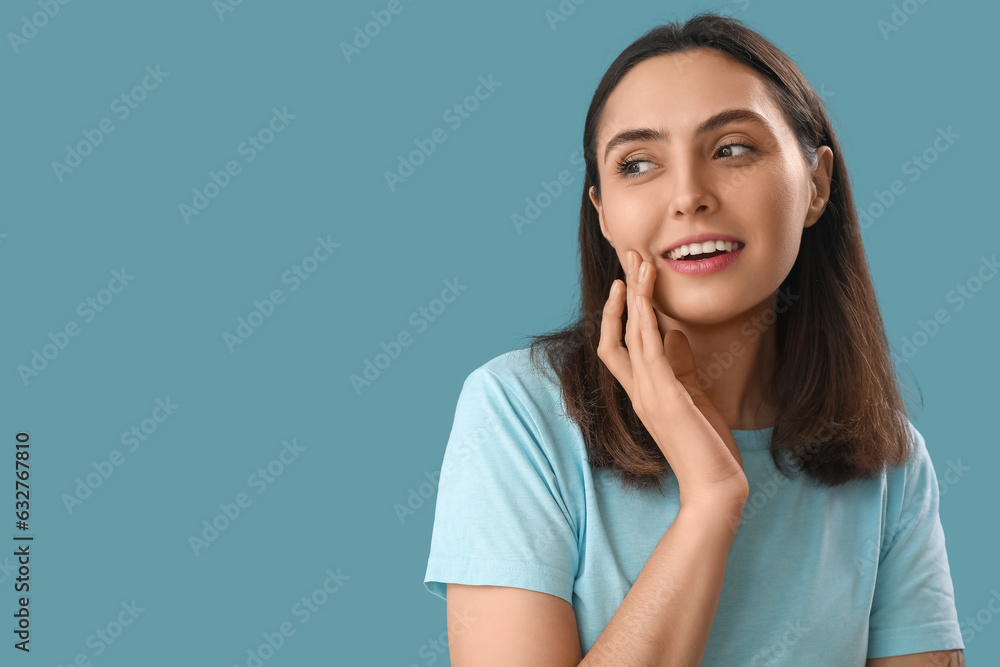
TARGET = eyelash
x,y
624,165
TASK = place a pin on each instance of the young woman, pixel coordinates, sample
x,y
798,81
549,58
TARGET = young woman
x,y
736,482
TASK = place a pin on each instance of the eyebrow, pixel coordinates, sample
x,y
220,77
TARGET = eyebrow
x,y
714,122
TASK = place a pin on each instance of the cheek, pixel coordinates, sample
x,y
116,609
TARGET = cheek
x,y
634,217
772,218
779,230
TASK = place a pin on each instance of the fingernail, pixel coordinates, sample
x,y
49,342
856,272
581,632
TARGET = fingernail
x,y
644,271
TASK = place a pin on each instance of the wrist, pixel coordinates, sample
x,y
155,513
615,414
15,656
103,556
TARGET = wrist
x,y
723,513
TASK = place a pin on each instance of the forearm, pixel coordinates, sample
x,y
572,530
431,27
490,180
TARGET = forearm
x,y
665,619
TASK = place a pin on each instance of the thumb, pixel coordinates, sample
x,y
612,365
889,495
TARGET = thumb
x,y
678,352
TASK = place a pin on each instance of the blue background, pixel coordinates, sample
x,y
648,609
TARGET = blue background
x,y
368,452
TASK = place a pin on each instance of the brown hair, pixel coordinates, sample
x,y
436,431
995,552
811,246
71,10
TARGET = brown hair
x,y
840,415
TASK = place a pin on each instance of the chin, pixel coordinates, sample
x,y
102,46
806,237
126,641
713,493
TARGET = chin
x,y
695,310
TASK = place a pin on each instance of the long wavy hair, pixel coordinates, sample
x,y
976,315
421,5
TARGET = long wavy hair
x,y
840,414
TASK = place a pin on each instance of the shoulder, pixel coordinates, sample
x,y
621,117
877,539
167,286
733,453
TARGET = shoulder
x,y
911,490
918,463
518,377
520,395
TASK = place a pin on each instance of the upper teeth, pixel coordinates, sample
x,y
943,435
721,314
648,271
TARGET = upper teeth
x,y
698,248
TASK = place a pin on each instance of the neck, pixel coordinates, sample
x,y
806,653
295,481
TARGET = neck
x,y
736,360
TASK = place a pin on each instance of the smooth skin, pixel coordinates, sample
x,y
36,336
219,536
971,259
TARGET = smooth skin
x,y
746,179
764,193
512,627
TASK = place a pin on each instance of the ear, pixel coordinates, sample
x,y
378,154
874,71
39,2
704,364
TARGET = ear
x,y
820,188
600,214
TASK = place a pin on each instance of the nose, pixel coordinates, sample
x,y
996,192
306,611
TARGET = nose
x,y
691,191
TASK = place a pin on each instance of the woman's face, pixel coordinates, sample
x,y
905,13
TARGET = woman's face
x,y
744,177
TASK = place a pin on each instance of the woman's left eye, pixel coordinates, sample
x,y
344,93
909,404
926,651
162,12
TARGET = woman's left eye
x,y
730,146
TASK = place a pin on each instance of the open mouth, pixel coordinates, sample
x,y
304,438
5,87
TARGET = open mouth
x,y
702,251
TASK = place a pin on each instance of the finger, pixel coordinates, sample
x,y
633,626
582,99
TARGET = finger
x,y
657,363
612,329
650,332
633,337
644,387
610,348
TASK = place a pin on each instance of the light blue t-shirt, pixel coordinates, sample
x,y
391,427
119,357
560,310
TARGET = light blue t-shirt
x,y
835,574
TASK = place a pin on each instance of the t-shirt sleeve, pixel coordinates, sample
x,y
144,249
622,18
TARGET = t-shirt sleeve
x,y
501,518
913,608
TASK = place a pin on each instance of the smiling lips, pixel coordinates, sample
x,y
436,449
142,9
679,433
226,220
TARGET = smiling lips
x,y
706,249
704,257
696,243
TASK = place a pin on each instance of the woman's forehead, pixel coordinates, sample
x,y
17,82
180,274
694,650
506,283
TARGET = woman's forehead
x,y
677,91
